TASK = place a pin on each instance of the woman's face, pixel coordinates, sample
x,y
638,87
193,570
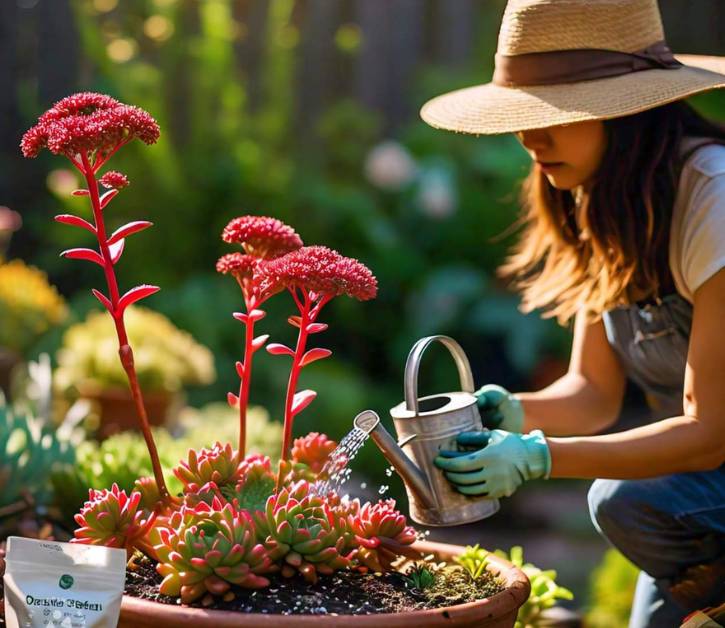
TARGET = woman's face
x,y
568,155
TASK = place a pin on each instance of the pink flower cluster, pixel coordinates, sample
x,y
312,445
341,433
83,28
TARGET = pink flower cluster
x,y
88,122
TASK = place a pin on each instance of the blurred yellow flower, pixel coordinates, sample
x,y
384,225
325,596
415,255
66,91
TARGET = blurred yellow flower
x,y
29,305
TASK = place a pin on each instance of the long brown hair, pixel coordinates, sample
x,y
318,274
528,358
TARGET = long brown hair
x,y
611,248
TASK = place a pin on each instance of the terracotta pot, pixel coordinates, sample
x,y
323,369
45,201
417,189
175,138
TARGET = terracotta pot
x,y
118,411
498,611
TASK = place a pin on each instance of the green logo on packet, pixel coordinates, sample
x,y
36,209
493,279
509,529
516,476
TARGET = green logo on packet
x,y
66,581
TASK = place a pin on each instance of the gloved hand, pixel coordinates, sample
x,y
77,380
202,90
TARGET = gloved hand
x,y
503,463
499,409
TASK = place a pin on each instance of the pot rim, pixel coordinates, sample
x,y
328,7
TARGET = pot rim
x,y
507,601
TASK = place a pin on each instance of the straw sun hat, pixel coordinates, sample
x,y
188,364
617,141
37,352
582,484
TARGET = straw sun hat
x,y
563,61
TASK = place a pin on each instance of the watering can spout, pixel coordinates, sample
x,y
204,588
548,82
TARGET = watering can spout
x,y
369,422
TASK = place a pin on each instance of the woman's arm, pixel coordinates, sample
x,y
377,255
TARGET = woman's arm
x,y
588,398
692,442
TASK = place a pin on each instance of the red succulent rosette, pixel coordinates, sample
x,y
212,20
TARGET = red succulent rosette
x,y
219,464
88,122
323,272
262,236
114,179
113,519
382,534
314,450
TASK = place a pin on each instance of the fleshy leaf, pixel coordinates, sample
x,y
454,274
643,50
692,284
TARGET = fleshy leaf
x,y
259,341
107,196
128,229
314,354
116,249
257,315
103,299
240,369
86,254
136,294
241,316
82,192
76,221
295,321
278,349
232,400
314,328
302,399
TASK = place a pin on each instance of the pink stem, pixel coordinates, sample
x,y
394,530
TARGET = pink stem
x,y
124,348
294,375
246,378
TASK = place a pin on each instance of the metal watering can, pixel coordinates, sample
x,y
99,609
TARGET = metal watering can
x,y
424,426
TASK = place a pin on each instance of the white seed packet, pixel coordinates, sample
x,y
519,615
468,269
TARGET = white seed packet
x,y
62,585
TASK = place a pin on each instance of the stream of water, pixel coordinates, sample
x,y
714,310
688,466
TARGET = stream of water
x,y
336,469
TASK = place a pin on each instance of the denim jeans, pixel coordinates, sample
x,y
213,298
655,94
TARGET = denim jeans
x,y
663,525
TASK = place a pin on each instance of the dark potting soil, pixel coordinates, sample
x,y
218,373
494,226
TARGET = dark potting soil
x,y
344,593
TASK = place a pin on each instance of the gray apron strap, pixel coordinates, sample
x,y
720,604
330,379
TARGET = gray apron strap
x,y
651,341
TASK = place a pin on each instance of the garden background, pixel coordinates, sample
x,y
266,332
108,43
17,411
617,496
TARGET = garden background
x,y
306,110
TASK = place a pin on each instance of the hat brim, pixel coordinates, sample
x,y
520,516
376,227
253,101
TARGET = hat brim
x,y
491,109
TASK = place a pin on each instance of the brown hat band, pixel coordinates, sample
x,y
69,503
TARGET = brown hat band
x,y
570,66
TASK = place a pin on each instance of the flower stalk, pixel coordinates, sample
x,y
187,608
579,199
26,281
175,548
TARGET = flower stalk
x,y
88,129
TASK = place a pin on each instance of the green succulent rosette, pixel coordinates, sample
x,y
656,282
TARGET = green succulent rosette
x,y
302,531
208,548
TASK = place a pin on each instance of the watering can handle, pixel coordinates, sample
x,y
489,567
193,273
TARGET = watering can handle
x,y
413,363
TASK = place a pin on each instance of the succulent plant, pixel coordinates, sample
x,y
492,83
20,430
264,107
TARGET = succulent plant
x,y
255,485
473,559
313,450
29,453
114,519
382,534
209,548
420,576
167,359
303,532
219,464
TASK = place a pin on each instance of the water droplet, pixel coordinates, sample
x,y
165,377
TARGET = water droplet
x,y
363,485
383,489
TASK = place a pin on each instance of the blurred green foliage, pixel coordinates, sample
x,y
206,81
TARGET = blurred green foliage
x,y
30,451
611,591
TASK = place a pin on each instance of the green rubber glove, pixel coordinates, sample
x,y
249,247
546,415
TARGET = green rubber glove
x,y
499,409
500,467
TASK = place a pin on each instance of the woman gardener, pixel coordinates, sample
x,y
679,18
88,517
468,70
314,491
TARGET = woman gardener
x,y
623,234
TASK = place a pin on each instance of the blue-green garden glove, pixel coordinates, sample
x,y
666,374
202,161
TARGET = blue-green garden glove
x,y
499,409
504,461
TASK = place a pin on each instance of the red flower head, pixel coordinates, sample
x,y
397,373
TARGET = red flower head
x,y
262,236
313,450
88,122
239,265
323,272
114,179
